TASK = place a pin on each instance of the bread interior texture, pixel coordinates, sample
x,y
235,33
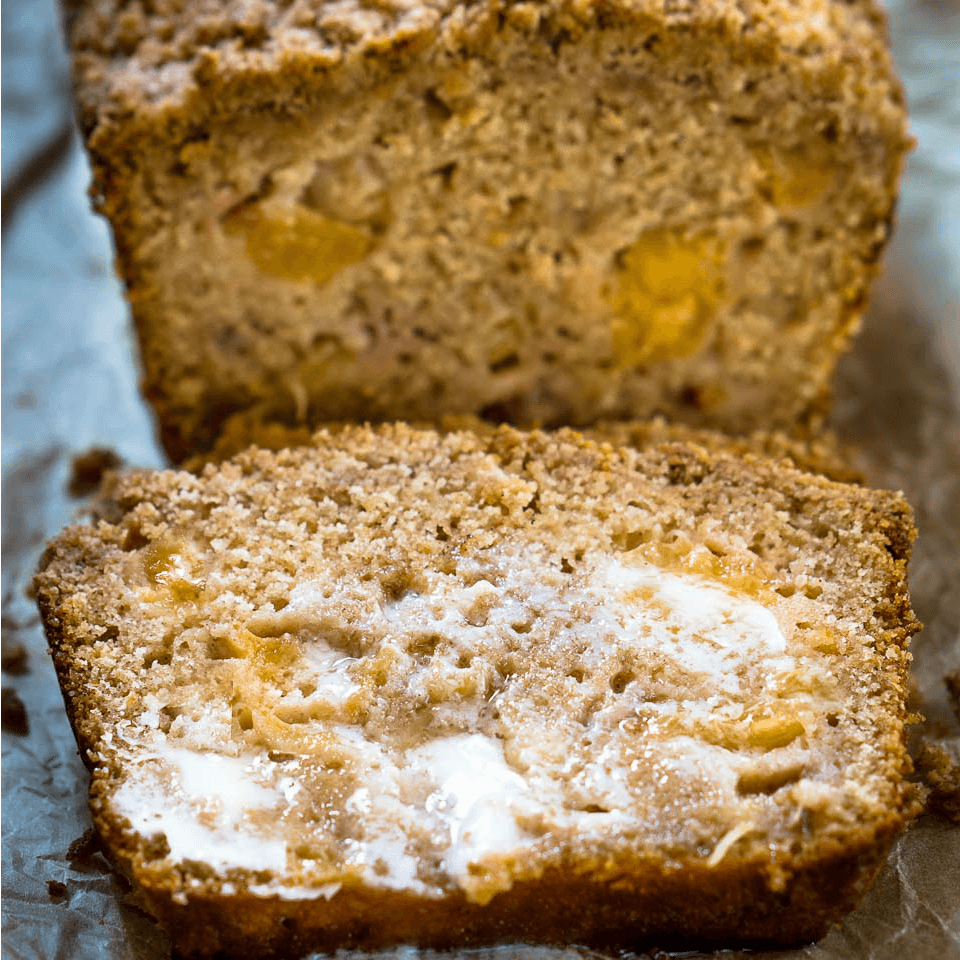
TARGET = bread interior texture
x,y
448,669
538,221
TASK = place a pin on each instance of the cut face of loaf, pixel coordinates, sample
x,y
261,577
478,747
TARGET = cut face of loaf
x,y
542,213
455,689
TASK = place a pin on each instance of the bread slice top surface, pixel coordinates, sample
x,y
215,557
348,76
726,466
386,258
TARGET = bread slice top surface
x,y
446,663
817,451
191,63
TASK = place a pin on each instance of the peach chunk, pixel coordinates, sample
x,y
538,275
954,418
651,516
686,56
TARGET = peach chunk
x,y
303,246
669,285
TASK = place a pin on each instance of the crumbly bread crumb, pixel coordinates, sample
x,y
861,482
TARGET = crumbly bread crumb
x,y
817,452
402,686
14,655
542,213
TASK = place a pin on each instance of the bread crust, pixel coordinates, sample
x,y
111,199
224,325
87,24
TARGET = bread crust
x,y
819,452
609,903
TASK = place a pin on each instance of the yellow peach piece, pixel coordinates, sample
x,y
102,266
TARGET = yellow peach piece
x,y
669,285
772,732
303,246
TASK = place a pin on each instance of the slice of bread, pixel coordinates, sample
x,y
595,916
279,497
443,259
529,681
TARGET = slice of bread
x,y
456,689
543,213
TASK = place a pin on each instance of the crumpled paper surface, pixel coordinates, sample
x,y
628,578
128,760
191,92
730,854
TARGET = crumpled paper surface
x,y
69,384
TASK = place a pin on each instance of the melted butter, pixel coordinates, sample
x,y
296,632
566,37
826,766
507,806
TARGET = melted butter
x,y
166,564
478,797
303,246
471,797
705,626
207,804
669,285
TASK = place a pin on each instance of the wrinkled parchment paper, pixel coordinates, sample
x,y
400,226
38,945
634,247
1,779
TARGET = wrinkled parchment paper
x,y
69,384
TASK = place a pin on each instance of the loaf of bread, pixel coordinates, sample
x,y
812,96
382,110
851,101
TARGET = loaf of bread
x,y
542,213
401,686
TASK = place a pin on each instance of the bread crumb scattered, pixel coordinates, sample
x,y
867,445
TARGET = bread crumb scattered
x,y
57,891
13,659
88,469
13,715
952,680
940,769
83,849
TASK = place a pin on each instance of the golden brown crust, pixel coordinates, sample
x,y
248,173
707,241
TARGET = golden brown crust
x,y
255,49
606,907
819,452
849,542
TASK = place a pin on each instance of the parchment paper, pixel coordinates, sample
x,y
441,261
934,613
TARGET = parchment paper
x,y
69,384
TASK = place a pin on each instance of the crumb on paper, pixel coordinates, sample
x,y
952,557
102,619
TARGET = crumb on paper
x,y
85,855
13,657
941,774
13,714
87,470
82,851
57,891
952,680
